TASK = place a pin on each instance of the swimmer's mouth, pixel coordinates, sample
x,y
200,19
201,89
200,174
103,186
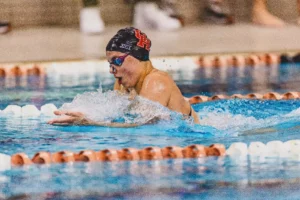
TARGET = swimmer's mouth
x,y
119,79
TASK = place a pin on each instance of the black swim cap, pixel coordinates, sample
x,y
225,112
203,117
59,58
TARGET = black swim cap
x,y
131,40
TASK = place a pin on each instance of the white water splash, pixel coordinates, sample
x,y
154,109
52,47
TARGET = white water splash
x,y
226,121
230,123
112,105
294,113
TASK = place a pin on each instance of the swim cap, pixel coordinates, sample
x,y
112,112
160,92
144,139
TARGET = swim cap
x,y
131,40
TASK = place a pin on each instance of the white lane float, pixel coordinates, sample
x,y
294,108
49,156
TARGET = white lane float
x,y
257,149
13,110
30,111
48,109
238,149
276,149
5,162
293,148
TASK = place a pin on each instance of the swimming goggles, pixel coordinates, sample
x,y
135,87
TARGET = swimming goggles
x,y
118,61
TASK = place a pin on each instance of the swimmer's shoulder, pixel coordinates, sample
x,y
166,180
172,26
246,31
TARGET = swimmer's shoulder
x,y
158,79
158,75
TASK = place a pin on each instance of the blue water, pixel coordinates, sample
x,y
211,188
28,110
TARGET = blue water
x,y
223,121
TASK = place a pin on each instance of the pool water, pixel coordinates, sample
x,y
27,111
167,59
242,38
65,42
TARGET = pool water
x,y
225,121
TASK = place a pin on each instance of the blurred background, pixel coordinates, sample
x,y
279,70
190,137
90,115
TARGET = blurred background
x,y
48,30
28,13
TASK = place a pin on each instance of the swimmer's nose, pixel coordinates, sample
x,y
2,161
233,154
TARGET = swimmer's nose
x,y
112,70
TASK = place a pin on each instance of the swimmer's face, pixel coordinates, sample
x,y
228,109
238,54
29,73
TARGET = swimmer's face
x,y
127,73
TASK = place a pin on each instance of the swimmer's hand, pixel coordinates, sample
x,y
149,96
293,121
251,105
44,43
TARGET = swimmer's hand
x,y
69,118
77,118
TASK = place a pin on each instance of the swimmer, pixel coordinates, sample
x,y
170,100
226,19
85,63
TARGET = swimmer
x,y
128,55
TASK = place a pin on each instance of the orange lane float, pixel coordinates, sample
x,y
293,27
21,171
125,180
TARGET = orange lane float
x,y
17,71
253,60
2,73
267,96
36,70
272,96
63,157
128,154
194,151
254,96
215,150
108,155
219,61
20,159
269,59
42,158
218,97
86,156
237,61
291,95
198,99
22,70
172,152
205,61
237,96
150,153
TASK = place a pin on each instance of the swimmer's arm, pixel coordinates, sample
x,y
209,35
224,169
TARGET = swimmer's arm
x,y
76,118
113,124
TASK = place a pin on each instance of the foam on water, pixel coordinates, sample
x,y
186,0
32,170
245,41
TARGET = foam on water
x,y
231,117
294,113
113,106
226,115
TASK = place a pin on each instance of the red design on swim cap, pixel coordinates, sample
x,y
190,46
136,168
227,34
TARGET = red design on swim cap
x,y
144,42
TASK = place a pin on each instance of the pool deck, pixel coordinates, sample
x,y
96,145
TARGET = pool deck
x,y
58,43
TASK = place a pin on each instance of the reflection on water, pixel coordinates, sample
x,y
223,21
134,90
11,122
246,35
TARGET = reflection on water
x,y
216,177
